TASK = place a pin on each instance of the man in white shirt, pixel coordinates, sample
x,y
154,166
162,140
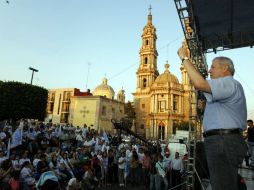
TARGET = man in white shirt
x,y
177,169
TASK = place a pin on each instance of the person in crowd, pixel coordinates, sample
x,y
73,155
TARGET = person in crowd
x,y
177,169
64,172
161,177
250,141
2,145
110,166
67,162
79,138
115,164
167,162
134,166
75,163
74,184
48,180
24,158
97,168
53,164
89,180
2,134
37,158
224,119
30,166
15,162
105,167
121,168
14,182
3,157
42,166
5,174
185,162
26,176
85,157
153,171
141,156
146,166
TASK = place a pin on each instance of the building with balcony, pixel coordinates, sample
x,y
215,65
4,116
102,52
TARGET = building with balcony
x,y
70,105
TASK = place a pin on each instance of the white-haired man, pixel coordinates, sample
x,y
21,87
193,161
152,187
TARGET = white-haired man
x,y
224,119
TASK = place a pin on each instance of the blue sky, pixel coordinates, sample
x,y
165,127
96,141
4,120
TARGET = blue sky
x,y
76,43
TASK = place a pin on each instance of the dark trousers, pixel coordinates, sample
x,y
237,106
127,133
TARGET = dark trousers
x,y
224,154
146,177
134,175
110,174
115,173
176,178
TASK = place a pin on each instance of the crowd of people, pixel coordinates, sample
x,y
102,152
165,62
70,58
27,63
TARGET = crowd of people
x,y
42,156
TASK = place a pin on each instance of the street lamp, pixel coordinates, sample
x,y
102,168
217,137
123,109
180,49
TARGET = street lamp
x,y
33,70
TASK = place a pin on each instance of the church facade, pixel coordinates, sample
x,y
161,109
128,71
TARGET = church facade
x,y
161,102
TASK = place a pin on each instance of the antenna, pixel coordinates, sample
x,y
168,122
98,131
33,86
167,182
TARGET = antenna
x,y
88,70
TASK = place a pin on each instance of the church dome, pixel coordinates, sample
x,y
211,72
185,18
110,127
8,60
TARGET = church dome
x,y
166,76
104,90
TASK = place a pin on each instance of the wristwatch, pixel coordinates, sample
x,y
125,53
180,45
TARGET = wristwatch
x,y
185,58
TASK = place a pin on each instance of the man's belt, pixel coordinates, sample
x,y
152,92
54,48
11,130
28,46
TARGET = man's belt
x,y
222,132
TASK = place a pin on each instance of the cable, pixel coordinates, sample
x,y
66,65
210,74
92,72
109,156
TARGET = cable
x,y
252,91
127,68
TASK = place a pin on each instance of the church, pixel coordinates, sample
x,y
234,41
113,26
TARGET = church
x,y
161,102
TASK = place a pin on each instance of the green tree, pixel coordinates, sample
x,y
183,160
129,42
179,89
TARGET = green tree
x,y
130,114
19,100
183,125
129,111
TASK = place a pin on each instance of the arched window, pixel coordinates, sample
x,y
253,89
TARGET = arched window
x,y
146,60
147,42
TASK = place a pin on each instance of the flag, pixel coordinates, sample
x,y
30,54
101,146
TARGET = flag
x,y
49,175
126,168
105,136
97,142
59,131
17,136
8,148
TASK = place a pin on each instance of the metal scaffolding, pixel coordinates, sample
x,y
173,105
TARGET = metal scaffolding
x,y
198,58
